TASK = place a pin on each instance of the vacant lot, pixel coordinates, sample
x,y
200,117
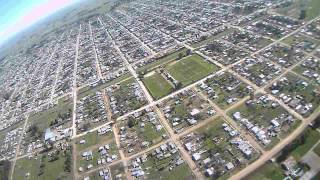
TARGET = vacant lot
x,y
269,171
157,85
190,69
42,167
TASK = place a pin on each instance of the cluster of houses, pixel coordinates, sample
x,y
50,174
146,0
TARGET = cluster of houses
x,y
214,161
311,69
135,135
225,88
87,71
258,70
223,52
296,100
10,143
186,109
90,110
105,156
125,97
246,40
108,57
283,55
312,29
264,130
267,29
167,152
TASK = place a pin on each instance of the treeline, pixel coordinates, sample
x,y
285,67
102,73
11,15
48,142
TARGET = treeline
x,y
4,169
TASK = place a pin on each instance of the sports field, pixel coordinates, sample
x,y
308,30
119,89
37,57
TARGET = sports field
x,y
157,85
190,69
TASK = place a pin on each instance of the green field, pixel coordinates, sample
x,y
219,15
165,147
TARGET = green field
x,y
311,138
190,69
92,138
52,169
312,8
157,85
269,171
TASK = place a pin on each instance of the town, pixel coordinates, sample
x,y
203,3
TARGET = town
x,y
152,89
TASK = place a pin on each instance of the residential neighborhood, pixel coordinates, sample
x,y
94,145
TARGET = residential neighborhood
x,y
153,89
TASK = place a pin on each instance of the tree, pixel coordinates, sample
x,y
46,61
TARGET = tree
x,y
303,14
130,123
188,52
178,86
67,164
180,55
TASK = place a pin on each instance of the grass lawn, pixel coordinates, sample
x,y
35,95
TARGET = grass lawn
x,y
317,150
53,170
92,138
191,69
269,171
157,85
181,172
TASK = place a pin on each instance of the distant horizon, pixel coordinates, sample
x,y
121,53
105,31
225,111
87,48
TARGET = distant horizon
x,y
18,15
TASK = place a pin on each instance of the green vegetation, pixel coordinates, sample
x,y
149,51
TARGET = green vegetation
x,y
162,60
301,9
82,162
60,114
297,39
85,91
300,146
44,167
117,170
190,69
157,85
158,169
92,138
269,171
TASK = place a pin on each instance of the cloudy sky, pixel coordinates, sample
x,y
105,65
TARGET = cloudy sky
x,y
16,15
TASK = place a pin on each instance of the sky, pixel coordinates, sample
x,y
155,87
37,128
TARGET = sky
x,y
17,15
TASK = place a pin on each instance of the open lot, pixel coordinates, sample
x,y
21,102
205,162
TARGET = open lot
x,y
269,171
93,138
43,166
